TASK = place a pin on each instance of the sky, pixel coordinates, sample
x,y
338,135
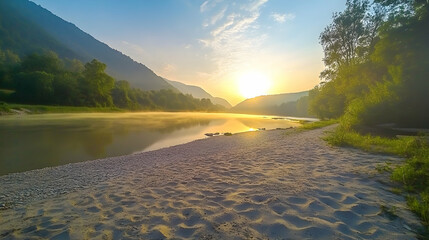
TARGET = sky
x,y
213,44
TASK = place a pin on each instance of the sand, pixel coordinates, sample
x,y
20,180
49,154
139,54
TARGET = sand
x,y
279,184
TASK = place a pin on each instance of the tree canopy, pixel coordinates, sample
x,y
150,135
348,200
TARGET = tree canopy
x,y
47,79
376,58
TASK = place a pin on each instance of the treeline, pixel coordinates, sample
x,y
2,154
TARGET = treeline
x,y
47,79
376,58
297,108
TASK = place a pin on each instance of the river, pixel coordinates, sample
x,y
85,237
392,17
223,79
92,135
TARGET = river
x,y
36,141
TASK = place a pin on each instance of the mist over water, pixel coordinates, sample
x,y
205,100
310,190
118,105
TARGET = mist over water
x,y
36,141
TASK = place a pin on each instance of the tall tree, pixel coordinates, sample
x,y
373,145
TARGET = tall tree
x,y
34,87
350,37
47,62
97,85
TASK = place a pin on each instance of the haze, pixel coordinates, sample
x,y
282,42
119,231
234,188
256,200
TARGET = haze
x,y
212,43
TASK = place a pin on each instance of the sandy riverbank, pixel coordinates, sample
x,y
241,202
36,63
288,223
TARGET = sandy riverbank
x,y
267,184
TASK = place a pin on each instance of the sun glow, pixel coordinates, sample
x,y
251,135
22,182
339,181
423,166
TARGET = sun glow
x,y
253,84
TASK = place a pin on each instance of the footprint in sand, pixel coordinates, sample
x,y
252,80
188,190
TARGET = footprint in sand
x,y
366,209
297,200
279,208
348,217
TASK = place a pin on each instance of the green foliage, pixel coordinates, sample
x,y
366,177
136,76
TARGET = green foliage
x,y
120,94
389,212
8,60
318,124
47,79
350,37
404,146
47,62
96,85
34,86
38,109
376,66
4,108
325,102
5,94
66,89
420,205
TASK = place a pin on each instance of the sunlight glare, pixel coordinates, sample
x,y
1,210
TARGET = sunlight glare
x,y
253,84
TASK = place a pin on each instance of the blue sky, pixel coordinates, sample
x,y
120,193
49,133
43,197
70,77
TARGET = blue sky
x,y
212,43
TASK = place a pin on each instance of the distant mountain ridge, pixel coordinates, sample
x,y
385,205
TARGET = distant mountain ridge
x,y
266,104
36,28
198,92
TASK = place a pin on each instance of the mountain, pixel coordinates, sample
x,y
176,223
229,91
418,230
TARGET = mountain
x,y
26,27
198,92
269,104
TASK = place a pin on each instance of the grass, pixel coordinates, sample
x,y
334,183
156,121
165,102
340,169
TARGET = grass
x,y
319,124
389,212
413,173
4,108
36,109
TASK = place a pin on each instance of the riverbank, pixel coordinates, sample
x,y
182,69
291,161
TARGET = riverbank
x,y
265,184
13,108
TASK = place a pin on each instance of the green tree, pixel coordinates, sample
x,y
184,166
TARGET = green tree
x,y
325,102
347,43
96,85
47,62
120,94
34,87
66,89
74,66
8,61
343,40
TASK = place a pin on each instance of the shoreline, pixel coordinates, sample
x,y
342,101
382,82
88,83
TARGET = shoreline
x,y
264,184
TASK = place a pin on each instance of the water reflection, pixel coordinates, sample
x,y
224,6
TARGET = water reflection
x,y
37,141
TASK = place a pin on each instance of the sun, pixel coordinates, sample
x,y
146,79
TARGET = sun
x,y
253,84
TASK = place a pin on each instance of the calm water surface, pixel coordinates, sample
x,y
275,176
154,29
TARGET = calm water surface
x,y
36,141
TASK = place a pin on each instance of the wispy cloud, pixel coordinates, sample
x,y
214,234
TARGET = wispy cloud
x,y
208,4
254,5
218,16
204,6
233,37
281,18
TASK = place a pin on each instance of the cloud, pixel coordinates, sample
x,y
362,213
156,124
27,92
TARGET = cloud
x,y
203,6
254,5
281,18
218,16
208,5
234,37
169,68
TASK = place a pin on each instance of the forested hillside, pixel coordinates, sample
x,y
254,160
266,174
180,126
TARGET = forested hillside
x,y
47,79
46,60
198,92
26,28
285,104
